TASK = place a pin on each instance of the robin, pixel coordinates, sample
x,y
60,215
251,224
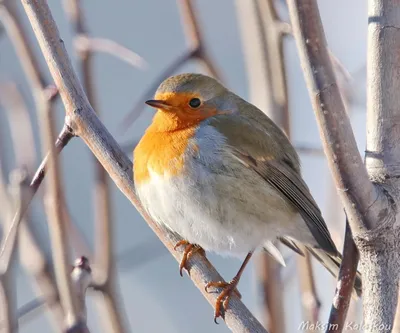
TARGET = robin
x,y
216,170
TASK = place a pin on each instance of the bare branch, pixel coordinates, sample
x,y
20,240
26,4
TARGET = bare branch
x,y
81,276
383,66
85,123
85,43
345,284
356,190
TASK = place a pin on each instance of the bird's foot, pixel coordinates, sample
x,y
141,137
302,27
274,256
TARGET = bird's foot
x,y
222,302
190,249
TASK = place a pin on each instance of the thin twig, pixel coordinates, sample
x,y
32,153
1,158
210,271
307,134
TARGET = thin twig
x,y
81,276
85,123
345,284
105,274
84,43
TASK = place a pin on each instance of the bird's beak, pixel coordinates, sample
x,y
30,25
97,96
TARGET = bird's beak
x,y
158,104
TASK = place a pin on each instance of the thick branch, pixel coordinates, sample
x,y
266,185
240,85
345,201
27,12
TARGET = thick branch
x,y
356,190
85,123
383,77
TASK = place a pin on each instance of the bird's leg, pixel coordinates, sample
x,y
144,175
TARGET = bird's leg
x,y
190,249
227,289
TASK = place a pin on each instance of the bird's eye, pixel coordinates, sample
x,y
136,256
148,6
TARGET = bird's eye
x,y
194,103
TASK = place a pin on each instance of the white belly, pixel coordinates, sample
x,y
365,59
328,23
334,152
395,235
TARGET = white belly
x,y
227,210
228,219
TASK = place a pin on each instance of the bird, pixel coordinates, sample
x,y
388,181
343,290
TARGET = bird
x,y
217,171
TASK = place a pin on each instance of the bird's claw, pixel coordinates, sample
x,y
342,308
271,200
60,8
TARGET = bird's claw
x,y
222,302
190,249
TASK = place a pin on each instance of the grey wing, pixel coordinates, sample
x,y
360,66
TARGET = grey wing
x,y
287,181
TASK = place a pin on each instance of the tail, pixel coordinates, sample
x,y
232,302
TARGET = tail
x,y
332,264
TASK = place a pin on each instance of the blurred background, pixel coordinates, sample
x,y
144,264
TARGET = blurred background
x,y
152,294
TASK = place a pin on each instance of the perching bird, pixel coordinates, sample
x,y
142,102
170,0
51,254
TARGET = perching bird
x,y
217,171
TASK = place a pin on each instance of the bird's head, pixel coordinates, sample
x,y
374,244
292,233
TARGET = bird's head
x,y
187,99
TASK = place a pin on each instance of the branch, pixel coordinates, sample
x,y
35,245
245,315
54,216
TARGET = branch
x,y
356,190
85,123
81,276
105,276
383,66
84,44
345,284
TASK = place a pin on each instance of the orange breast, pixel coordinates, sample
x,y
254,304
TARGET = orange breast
x,y
162,152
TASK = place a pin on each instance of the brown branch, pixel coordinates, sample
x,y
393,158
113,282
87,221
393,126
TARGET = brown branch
x,y
345,284
85,123
356,190
81,276
105,275
197,51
